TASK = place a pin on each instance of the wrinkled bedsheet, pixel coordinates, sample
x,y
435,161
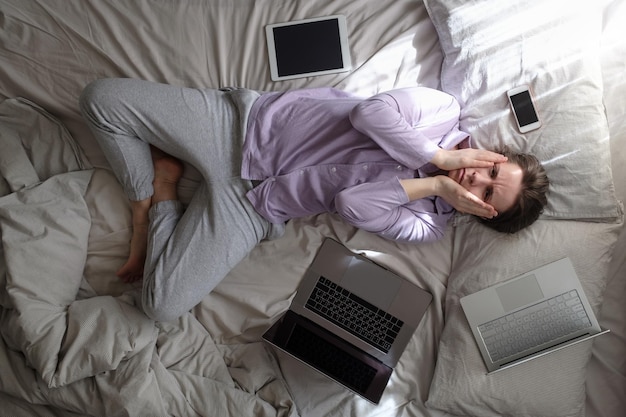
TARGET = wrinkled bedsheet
x,y
74,342
99,354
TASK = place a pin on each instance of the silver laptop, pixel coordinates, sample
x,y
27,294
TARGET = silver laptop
x,y
529,316
351,319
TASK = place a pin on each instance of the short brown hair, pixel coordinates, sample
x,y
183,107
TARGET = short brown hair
x,y
532,198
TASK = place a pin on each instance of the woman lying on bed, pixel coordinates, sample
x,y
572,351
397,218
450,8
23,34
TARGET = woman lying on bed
x,y
395,164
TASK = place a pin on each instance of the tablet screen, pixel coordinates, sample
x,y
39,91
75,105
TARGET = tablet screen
x,y
308,47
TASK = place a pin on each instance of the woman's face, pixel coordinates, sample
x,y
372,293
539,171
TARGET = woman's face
x,y
499,185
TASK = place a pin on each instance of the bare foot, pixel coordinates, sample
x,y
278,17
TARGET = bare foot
x,y
167,172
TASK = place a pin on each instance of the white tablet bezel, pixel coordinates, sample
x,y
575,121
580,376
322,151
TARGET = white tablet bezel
x,y
343,39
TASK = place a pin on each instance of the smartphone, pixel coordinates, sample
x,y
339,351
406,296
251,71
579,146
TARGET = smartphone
x,y
521,101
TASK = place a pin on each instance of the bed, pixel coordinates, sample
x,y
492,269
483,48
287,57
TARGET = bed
x,y
74,342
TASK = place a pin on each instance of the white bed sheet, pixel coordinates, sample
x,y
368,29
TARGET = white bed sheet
x,y
50,49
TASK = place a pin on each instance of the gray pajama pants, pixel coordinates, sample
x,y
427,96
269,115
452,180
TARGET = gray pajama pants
x,y
189,250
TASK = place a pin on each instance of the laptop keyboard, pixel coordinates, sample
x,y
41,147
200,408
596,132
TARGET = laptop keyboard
x,y
351,313
532,326
328,358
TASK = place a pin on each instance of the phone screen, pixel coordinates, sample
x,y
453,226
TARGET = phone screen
x,y
524,109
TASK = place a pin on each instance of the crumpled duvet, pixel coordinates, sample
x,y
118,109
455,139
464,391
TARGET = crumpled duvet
x,y
64,345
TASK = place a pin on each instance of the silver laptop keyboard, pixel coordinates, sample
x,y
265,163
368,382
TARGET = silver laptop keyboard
x,y
534,325
352,313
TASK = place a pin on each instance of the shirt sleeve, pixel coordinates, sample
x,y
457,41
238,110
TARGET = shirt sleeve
x,y
383,208
407,123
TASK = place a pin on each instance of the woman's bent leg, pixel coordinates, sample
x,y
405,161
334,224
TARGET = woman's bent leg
x,y
126,116
189,251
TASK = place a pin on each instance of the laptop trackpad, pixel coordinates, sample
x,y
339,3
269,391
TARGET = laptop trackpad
x,y
371,283
519,293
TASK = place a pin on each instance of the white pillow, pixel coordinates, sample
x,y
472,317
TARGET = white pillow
x,y
549,386
491,46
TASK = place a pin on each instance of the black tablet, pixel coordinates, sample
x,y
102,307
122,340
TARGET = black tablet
x,y
308,47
